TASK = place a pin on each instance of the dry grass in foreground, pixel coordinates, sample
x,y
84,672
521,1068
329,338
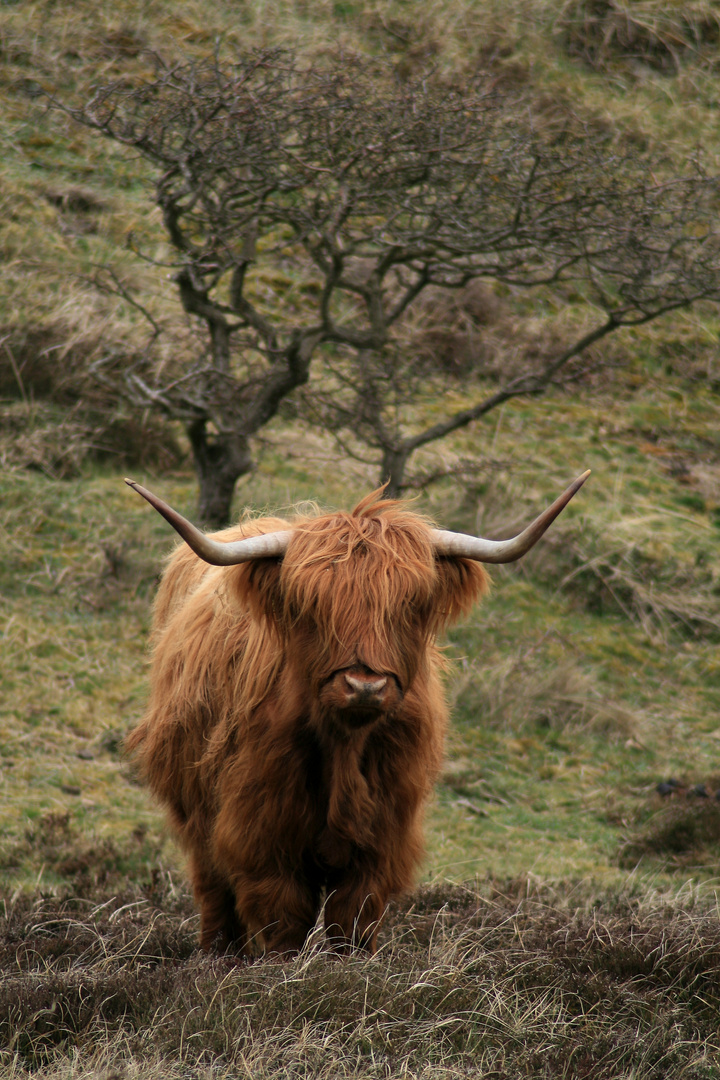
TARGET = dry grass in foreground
x,y
495,981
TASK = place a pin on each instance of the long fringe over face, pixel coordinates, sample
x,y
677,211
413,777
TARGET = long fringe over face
x,y
362,587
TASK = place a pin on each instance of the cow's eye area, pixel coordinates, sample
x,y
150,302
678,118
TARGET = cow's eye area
x,y
415,610
303,621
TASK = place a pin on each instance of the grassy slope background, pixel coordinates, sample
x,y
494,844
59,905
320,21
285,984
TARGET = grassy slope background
x,y
590,674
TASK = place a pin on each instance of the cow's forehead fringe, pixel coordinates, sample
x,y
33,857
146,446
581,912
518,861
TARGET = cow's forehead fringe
x,y
397,513
386,528
373,511
375,504
355,570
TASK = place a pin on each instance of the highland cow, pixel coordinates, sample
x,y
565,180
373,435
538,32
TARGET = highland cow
x,y
296,717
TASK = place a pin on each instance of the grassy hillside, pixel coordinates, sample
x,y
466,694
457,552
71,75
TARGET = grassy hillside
x,y
590,674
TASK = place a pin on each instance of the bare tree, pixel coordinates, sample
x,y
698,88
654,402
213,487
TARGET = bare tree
x,y
310,206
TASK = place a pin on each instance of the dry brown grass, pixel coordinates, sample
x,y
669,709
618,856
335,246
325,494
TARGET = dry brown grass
x,y
654,33
524,694
622,554
502,980
61,442
684,831
630,568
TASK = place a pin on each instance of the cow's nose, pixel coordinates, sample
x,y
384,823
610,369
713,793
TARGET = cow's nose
x,y
366,687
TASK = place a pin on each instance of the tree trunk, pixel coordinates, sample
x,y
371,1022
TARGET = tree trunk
x,y
393,471
220,460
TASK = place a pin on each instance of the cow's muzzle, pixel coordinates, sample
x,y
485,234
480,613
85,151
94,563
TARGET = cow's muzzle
x,y
361,694
365,689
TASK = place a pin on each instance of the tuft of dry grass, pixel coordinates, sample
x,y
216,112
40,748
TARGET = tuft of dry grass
x,y
644,545
630,568
499,980
662,36
685,833
523,693
61,442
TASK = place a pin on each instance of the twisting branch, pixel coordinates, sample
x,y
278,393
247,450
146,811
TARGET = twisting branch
x,y
311,208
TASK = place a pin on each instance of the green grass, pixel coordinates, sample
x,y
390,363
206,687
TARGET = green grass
x,y
589,674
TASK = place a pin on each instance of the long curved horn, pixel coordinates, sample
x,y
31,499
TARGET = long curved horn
x,y
502,551
214,551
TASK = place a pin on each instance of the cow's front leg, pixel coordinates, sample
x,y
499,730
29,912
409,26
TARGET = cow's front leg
x,y
282,909
221,928
286,936
353,912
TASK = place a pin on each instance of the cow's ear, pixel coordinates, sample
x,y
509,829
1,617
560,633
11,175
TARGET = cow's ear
x,y
460,584
256,585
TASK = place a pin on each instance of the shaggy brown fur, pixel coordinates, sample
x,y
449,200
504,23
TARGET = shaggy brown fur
x,y
296,721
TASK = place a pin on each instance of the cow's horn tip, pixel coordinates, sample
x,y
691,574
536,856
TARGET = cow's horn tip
x,y
130,483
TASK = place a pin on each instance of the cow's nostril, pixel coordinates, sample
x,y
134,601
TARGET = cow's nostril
x,y
366,686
